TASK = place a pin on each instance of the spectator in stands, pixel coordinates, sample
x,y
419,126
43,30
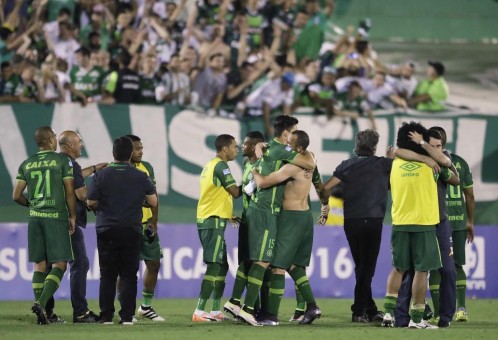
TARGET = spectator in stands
x,y
381,95
277,94
32,89
403,80
431,94
86,77
101,22
51,29
52,88
148,79
175,84
354,104
320,95
10,84
65,45
210,84
123,85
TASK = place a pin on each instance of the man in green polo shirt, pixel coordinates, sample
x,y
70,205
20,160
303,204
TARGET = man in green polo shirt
x,y
432,93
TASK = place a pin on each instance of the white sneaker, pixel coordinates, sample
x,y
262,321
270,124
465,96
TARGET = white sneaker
x,y
232,308
249,318
421,325
149,313
388,320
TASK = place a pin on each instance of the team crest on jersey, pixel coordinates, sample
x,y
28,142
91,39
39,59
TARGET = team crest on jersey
x,y
226,171
288,148
70,163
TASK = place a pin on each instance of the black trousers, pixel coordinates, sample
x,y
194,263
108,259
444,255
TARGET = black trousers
x,y
78,272
119,255
447,287
364,236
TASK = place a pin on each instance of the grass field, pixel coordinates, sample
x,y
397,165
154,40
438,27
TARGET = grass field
x,y
17,322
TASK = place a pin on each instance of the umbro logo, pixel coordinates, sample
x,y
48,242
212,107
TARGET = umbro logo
x,y
410,166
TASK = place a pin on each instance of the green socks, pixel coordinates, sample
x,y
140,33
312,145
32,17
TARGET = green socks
x,y
207,285
300,302
390,304
147,298
38,282
240,281
254,282
417,312
276,291
434,282
265,290
303,284
52,282
219,287
461,287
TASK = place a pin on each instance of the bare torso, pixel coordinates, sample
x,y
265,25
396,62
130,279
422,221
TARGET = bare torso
x,y
297,190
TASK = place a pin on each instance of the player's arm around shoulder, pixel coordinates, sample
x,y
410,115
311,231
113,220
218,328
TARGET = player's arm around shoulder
x,y
287,171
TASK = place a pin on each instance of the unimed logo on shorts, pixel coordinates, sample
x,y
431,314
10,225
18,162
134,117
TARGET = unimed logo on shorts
x,y
475,266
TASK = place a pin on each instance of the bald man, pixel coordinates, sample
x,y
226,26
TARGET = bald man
x,y
48,176
71,145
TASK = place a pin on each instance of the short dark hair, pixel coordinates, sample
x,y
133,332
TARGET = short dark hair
x,y
64,11
42,135
122,149
302,140
403,140
4,65
432,133
222,141
124,58
83,51
5,32
257,136
354,83
283,123
93,34
366,143
134,138
442,132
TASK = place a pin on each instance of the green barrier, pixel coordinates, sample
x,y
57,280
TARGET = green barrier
x,y
178,142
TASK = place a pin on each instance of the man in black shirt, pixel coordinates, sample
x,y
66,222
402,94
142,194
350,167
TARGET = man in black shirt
x,y
117,195
70,144
123,86
366,182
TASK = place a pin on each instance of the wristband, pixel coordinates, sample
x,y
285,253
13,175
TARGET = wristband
x,y
422,142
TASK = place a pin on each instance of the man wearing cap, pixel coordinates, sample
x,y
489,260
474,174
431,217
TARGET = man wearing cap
x,y
270,97
431,94
320,94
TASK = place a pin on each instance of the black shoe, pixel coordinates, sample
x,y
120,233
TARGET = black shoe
x,y
428,314
360,318
443,324
54,318
40,314
310,315
376,317
270,320
88,317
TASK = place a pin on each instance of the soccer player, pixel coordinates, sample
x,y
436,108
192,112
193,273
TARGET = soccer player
x,y
264,208
294,240
70,144
117,195
366,185
414,215
462,230
248,152
48,177
447,273
150,251
214,210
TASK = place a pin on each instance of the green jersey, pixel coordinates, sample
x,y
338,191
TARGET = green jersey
x,y
88,82
246,178
13,86
358,104
274,158
44,174
455,203
148,89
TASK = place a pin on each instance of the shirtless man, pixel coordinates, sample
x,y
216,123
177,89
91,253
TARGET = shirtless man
x,y
294,239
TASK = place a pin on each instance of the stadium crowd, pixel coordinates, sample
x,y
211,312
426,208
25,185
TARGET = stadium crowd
x,y
228,57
